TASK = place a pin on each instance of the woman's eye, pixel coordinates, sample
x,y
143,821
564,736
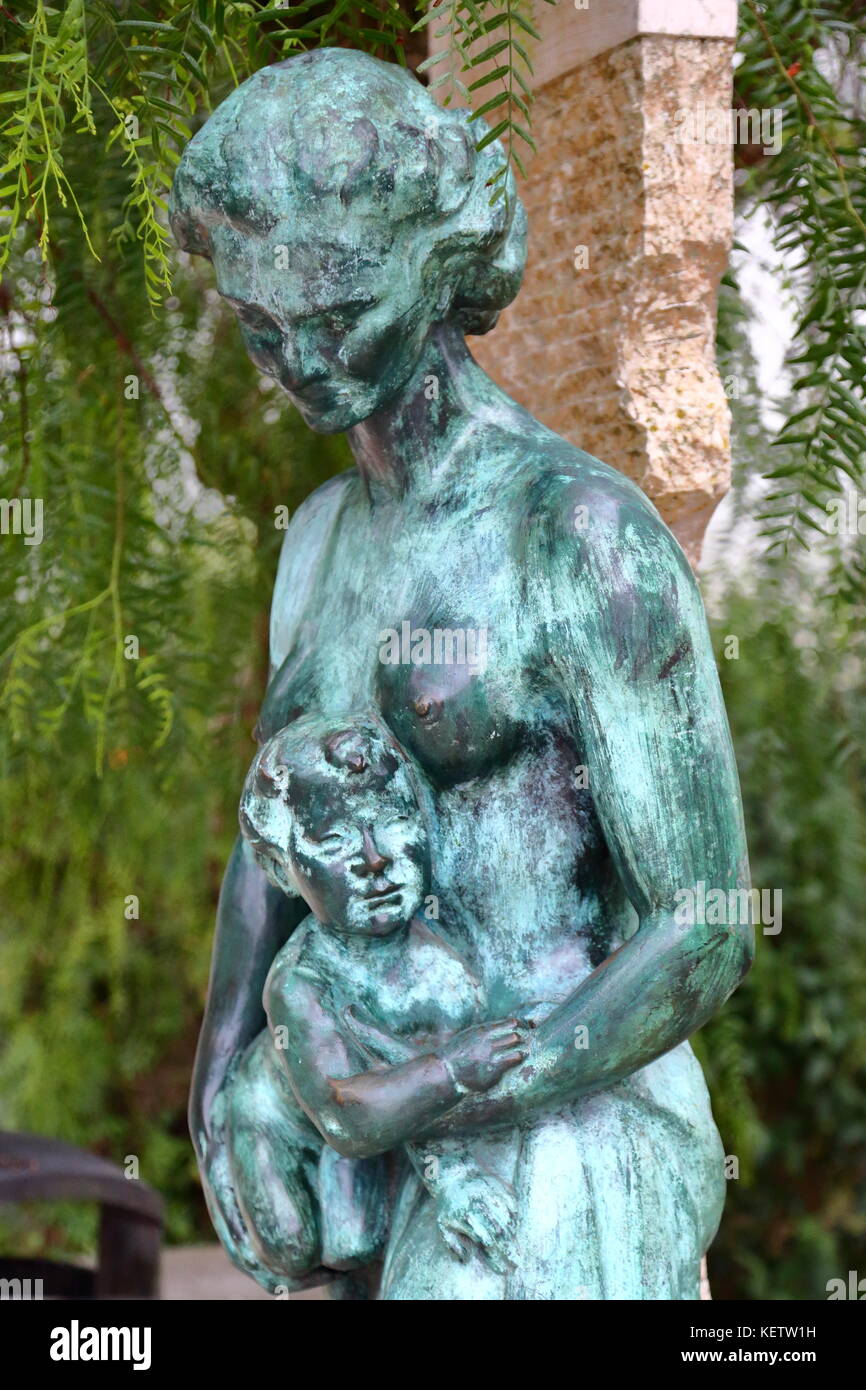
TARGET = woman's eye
x,y
339,321
256,323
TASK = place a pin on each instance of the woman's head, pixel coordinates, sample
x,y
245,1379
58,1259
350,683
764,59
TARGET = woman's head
x,y
345,213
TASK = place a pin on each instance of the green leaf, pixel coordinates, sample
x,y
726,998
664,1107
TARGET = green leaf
x,y
492,135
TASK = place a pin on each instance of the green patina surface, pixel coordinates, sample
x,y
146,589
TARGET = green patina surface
x,y
572,775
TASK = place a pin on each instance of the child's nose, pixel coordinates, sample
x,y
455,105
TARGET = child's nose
x,y
374,861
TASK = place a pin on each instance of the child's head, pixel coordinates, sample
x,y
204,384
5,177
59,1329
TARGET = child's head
x,y
331,811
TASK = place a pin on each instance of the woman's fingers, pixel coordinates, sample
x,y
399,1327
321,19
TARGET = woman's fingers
x,y
508,1040
235,1241
225,1211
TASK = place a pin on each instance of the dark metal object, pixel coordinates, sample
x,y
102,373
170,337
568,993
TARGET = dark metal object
x,y
36,1169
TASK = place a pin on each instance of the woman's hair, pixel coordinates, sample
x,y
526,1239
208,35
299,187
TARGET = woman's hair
x,y
334,137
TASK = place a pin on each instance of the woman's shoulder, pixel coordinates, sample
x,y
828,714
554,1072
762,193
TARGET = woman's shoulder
x,y
529,465
578,522
549,471
574,503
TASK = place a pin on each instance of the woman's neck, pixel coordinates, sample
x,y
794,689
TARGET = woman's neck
x,y
413,441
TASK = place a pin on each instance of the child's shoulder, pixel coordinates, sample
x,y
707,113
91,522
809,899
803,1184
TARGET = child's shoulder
x,y
440,962
298,964
424,939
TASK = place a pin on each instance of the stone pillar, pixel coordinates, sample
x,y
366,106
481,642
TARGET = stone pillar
x,y
611,340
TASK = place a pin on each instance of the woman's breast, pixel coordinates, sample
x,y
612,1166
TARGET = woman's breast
x,y
459,715
523,869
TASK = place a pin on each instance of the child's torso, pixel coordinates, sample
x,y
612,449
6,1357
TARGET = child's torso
x,y
418,987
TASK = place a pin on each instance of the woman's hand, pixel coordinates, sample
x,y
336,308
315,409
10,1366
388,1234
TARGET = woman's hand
x,y
222,1205
228,1221
480,1055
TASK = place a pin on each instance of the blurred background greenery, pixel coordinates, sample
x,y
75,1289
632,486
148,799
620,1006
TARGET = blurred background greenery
x,y
166,465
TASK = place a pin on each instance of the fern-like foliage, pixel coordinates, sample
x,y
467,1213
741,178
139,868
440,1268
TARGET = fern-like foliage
x,y
807,62
490,41
48,86
142,80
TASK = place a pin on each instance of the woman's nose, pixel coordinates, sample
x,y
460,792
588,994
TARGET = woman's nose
x,y
299,365
373,861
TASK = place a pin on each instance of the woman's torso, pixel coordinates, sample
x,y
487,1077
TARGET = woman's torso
x,y
521,868
526,881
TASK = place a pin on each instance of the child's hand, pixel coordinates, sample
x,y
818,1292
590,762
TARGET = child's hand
x,y
478,1209
481,1054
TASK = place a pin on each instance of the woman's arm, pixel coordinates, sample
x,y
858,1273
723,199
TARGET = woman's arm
x,y
253,922
631,659
253,918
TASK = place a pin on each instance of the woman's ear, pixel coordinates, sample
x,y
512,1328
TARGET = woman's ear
x,y
491,279
446,299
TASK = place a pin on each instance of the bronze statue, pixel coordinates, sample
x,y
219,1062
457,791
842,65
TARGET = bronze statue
x,y
509,622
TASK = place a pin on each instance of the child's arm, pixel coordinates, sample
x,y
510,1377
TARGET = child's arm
x,y
472,1206
363,1112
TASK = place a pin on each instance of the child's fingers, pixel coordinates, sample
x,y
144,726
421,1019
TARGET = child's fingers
x,y
455,1242
489,1238
511,1059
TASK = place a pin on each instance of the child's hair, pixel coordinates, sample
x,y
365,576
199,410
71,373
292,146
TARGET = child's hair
x,y
360,753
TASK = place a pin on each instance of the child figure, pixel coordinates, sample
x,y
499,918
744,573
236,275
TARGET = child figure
x,y
332,813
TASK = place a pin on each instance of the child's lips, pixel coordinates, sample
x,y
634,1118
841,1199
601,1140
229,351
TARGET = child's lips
x,y
391,893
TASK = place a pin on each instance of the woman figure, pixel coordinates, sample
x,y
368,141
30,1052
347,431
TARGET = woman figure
x,y
582,775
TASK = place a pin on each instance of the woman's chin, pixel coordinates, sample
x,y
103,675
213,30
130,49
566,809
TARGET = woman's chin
x,y
335,418
340,407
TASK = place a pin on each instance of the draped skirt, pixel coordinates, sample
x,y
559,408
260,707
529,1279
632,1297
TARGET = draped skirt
x,y
619,1195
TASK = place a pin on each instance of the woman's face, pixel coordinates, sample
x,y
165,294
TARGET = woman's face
x,y
339,325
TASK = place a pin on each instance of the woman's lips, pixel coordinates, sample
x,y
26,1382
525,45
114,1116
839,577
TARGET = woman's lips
x,y
317,396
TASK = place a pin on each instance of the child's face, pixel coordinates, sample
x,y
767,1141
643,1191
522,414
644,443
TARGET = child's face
x,y
362,862
355,846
